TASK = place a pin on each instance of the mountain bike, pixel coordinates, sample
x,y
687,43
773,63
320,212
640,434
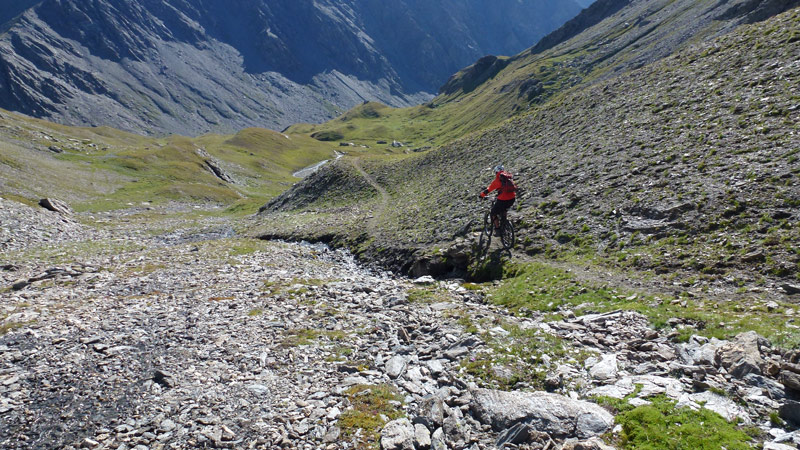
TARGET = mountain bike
x,y
505,232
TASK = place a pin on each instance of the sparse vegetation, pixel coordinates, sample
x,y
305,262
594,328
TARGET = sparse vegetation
x,y
371,408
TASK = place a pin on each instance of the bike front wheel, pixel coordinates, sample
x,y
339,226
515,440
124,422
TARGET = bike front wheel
x,y
507,235
486,236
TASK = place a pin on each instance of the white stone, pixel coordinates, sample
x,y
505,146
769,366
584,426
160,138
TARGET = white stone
x,y
606,369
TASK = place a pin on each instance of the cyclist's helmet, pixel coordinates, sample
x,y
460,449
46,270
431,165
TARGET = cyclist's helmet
x,y
498,168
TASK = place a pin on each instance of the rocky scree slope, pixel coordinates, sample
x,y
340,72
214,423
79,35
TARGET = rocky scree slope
x,y
129,332
686,166
190,67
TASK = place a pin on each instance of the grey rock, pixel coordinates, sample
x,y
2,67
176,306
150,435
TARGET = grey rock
x,y
438,440
790,411
723,406
422,437
554,414
606,369
456,353
396,366
20,285
258,389
522,433
777,446
54,205
791,380
435,366
774,389
398,435
167,425
791,289
590,444
456,431
742,355
433,408
332,435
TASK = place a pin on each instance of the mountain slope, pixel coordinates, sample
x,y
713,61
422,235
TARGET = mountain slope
x,y
199,65
687,166
608,38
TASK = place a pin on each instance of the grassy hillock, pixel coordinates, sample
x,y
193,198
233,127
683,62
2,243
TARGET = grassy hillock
x,y
102,168
686,167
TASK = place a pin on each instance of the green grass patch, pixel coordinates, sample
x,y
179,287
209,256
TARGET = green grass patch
x,y
661,425
10,326
370,406
305,336
538,287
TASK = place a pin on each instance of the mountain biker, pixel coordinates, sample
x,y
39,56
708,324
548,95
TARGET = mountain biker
x,y
506,193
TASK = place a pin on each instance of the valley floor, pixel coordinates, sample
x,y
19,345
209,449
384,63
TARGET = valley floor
x,y
164,328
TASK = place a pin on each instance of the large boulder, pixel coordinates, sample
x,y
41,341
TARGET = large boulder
x,y
742,355
559,416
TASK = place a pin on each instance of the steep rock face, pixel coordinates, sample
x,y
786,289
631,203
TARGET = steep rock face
x,y
193,66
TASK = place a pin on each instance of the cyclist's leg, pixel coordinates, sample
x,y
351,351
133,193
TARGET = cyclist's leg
x,y
497,213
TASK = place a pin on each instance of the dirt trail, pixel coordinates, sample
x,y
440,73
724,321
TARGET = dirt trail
x,y
378,213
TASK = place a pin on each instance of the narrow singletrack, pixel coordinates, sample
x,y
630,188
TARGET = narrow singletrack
x,y
372,226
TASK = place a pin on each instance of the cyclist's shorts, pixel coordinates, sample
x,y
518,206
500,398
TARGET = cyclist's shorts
x,y
501,206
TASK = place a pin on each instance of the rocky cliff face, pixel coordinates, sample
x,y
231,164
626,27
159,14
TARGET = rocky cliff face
x,y
192,66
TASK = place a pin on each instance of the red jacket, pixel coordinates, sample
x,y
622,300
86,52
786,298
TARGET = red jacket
x,y
497,184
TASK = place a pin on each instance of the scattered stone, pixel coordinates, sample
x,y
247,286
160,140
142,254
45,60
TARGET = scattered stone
x,y
20,285
776,446
425,279
422,437
723,406
605,369
163,378
398,435
523,433
591,444
396,366
791,380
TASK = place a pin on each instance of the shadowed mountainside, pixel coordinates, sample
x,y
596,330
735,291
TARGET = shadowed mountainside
x,y
196,66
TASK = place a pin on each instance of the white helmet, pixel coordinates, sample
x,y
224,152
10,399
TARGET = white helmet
x,y
498,168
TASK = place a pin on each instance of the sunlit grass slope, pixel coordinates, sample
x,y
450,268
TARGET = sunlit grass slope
x,y
102,168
